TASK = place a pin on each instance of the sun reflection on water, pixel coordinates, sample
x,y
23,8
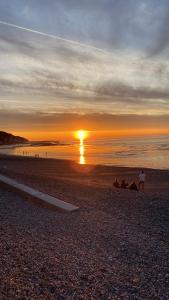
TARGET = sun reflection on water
x,y
82,151
81,135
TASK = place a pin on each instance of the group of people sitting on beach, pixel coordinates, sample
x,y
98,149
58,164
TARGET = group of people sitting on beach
x,y
132,186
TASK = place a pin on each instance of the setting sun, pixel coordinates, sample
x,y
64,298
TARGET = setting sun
x,y
81,134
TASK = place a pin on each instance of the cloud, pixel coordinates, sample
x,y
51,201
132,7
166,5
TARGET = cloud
x,y
161,42
126,93
53,122
109,24
42,73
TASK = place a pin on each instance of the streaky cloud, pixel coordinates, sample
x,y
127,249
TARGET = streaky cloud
x,y
54,37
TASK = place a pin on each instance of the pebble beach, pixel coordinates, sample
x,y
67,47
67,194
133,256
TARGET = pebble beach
x,y
116,246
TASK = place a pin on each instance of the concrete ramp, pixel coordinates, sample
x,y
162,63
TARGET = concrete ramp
x,y
38,195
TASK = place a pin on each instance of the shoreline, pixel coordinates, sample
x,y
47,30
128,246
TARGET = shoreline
x,y
86,164
137,153
33,144
73,161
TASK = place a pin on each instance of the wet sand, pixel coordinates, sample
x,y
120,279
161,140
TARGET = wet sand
x,y
114,247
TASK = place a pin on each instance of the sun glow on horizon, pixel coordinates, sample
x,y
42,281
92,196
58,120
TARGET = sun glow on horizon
x,y
81,134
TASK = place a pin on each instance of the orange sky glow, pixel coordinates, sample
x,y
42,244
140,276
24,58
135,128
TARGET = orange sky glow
x,y
70,135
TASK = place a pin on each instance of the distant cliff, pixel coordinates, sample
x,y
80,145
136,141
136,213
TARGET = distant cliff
x,y
10,139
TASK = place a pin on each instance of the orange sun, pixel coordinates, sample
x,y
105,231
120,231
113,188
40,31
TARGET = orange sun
x,y
81,134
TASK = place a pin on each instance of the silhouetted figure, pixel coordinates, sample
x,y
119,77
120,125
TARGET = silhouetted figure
x,y
142,177
116,183
133,186
123,184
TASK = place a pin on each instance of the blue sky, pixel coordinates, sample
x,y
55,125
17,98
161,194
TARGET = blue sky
x,y
102,57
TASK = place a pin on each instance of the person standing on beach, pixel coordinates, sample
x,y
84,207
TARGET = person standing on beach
x,y
142,177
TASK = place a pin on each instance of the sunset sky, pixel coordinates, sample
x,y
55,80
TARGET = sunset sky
x,y
98,65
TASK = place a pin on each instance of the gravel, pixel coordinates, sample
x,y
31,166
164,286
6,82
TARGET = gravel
x,y
115,247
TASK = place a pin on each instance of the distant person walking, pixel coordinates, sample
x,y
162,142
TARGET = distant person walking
x,y
142,177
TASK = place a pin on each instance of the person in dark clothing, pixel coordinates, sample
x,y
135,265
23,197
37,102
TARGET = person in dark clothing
x,y
116,183
133,186
123,184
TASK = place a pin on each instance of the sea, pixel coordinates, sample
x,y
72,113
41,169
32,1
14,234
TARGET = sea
x,y
149,152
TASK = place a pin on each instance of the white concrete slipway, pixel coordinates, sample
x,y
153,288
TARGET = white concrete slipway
x,y
38,195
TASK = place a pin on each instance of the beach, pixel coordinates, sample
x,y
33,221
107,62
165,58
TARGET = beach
x,y
114,247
